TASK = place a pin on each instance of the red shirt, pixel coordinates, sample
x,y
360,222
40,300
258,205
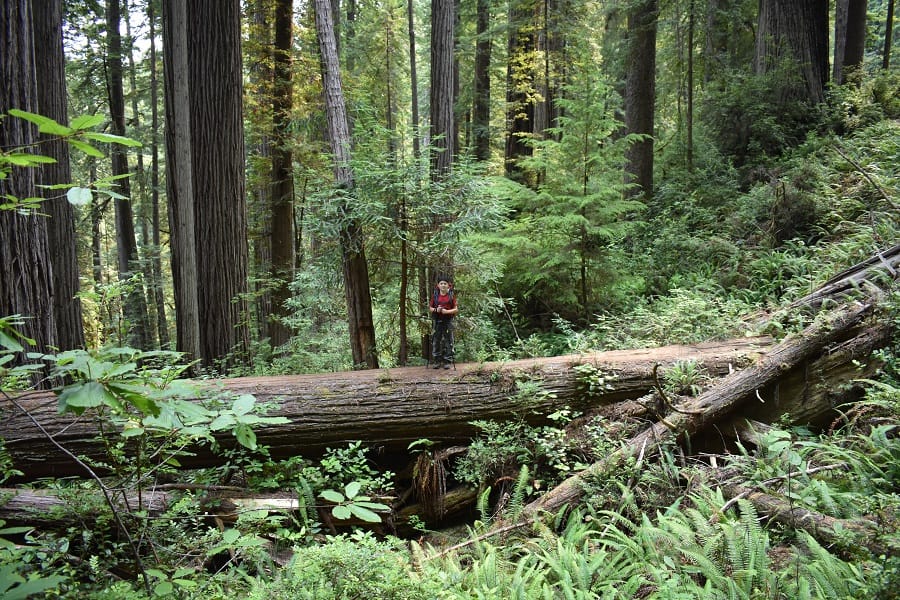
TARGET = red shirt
x,y
445,301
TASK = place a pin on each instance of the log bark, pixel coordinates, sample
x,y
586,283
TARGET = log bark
x,y
722,401
387,409
826,530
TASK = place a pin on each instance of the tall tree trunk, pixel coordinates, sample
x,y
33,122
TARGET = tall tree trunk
x,y
640,95
159,296
282,221
26,270
50,63
888,36
144,207
353,257
259,80
849,38
179,179
519,89
481,112
135,301
217,145
797,31
413,78
443,124
689,142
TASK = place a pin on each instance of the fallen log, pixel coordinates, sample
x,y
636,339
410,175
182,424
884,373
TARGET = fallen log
x,y
721,401
826,530
386,409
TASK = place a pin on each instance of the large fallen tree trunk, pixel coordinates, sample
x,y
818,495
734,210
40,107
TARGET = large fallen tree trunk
x,y
735,392
387,409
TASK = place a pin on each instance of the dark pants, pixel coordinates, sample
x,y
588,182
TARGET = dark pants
x,y
442,341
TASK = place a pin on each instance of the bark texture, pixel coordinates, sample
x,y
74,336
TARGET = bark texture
x,y
52,97
26,272
640,94
796,31
389,409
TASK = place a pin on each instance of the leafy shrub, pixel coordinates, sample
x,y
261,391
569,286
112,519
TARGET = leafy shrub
x,y
348,567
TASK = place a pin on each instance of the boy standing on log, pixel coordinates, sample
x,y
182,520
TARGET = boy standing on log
x,y
443,308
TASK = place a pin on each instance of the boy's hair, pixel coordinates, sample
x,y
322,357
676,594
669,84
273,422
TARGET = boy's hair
x,y
441,278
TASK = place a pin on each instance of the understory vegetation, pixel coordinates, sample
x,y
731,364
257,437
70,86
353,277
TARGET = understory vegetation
x,y
717,246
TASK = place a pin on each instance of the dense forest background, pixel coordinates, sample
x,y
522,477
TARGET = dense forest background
x,y
272,186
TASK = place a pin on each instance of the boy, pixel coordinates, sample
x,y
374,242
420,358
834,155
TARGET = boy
x,y
443,308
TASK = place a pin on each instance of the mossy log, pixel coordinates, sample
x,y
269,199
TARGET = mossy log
x,y
386,409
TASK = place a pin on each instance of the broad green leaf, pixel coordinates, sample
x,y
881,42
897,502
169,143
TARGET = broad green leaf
x,y
110,138
83,122
222,422
163,589
86,395
352,489
245,436
341,512
373,505
190,413
332,496
24,159
32,587
230,536
79,196
86,148
364,513
156,573
182,572
9,343
243,404
45,124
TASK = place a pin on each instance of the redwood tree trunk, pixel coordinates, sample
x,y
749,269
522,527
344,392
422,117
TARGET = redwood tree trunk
x,y
26,270
443,129
797,31
50,63
179,179
217,145
282,221
135,301
640,94
849,38
353,255
390,409
481,113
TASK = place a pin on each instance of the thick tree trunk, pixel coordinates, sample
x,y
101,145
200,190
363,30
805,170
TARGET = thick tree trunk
x,y
180,178
26,272
443,129
797,31
353,254
481,112
640,94
135,301
282,217
50,63
388,409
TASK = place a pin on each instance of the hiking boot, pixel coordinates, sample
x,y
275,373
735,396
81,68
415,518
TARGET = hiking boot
x,y
436,366
446,365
